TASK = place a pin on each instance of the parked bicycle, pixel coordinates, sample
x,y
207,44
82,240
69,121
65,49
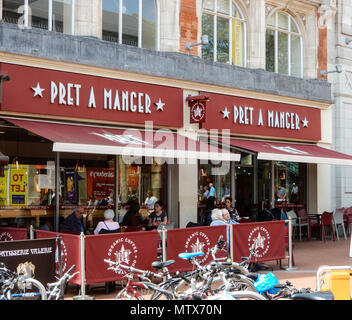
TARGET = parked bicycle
x,y
20,287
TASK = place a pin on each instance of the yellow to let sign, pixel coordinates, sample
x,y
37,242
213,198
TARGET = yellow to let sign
x,y
18,186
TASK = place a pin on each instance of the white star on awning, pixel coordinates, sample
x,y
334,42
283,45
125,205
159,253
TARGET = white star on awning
x,y
38,91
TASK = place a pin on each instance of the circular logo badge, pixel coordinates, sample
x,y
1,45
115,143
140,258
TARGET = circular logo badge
x,y
260,237
6,236
198,111
64,258
198,242
123,251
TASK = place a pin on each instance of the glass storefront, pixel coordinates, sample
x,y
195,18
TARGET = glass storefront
x,y
27,187
253,187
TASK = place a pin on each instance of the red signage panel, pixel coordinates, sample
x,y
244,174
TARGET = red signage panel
x,y
260,118
268,238
57,93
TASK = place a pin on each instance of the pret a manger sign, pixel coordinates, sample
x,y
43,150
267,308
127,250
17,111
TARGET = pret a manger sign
x,y
48,92
262,118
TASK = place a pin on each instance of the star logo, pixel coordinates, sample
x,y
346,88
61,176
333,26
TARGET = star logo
x,y
197,112
159,105
38,91
305,122
259,241
225,113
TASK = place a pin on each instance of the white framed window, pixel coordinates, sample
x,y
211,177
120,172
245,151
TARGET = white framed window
x,y
132,22
224,23
284,45
52,15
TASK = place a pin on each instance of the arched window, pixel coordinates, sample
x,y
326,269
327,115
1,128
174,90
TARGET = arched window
x,y
225,26
284,52
132,22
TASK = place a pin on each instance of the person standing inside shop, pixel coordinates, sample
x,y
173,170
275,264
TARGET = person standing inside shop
x,y
158,216
294,193
281,194
150,200
212,192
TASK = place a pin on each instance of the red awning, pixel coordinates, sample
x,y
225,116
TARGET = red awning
x,y
294,152
79,138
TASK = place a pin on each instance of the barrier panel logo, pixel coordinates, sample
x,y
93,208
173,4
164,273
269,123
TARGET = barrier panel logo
x,y
6,236
124,251
198,242
260,237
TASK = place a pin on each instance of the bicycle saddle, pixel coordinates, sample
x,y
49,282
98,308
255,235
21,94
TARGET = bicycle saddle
x,y
160,264
320,295
189,255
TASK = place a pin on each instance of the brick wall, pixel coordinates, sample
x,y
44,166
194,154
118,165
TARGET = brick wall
x,y
188,25
322,51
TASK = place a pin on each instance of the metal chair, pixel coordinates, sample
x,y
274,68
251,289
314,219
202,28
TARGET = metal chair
x,y
293,217
338,221
303,221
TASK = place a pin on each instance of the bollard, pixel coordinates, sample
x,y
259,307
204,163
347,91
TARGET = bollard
x,y
289,268
83,295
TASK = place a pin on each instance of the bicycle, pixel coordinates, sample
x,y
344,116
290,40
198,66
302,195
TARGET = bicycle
x,y
14,286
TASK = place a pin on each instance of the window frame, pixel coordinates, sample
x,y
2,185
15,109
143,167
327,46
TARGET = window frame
x,y
289,33
140,24
230,18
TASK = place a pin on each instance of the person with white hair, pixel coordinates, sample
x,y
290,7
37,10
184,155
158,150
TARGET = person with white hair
x,y
108,225
217,218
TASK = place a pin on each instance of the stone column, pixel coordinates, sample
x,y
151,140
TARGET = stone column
x,y
169,25
256,34
88,18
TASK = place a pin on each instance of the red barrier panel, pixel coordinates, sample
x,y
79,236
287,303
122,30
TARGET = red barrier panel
x,y
136,249
269,238
10,234
197,239
70,251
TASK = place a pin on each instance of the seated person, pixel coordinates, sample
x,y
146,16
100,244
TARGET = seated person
x,y
232,211
131,216
217,218
150,200
158,216
74,222
226,217
108,225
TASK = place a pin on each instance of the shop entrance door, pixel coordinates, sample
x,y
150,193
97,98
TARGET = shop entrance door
x,y
264,184
244,190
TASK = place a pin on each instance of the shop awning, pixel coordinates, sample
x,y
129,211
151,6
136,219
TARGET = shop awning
x,y
294,152
79,138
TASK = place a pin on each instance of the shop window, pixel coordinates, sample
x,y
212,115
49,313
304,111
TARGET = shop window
x,y
283,45
52,15
131,22
225,26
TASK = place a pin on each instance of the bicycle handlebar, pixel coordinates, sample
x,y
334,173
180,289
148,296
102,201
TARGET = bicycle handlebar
x,y
145,273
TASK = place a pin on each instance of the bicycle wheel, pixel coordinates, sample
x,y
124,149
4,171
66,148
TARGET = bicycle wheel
x,y
27,289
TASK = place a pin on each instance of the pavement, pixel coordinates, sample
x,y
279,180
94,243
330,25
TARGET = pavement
x,y
308,257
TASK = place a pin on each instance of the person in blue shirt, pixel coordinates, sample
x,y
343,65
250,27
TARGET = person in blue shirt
x,y
211,191
217,218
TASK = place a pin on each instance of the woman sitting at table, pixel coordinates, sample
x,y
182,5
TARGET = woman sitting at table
x,y
131,217
232,210
158,216
108,225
